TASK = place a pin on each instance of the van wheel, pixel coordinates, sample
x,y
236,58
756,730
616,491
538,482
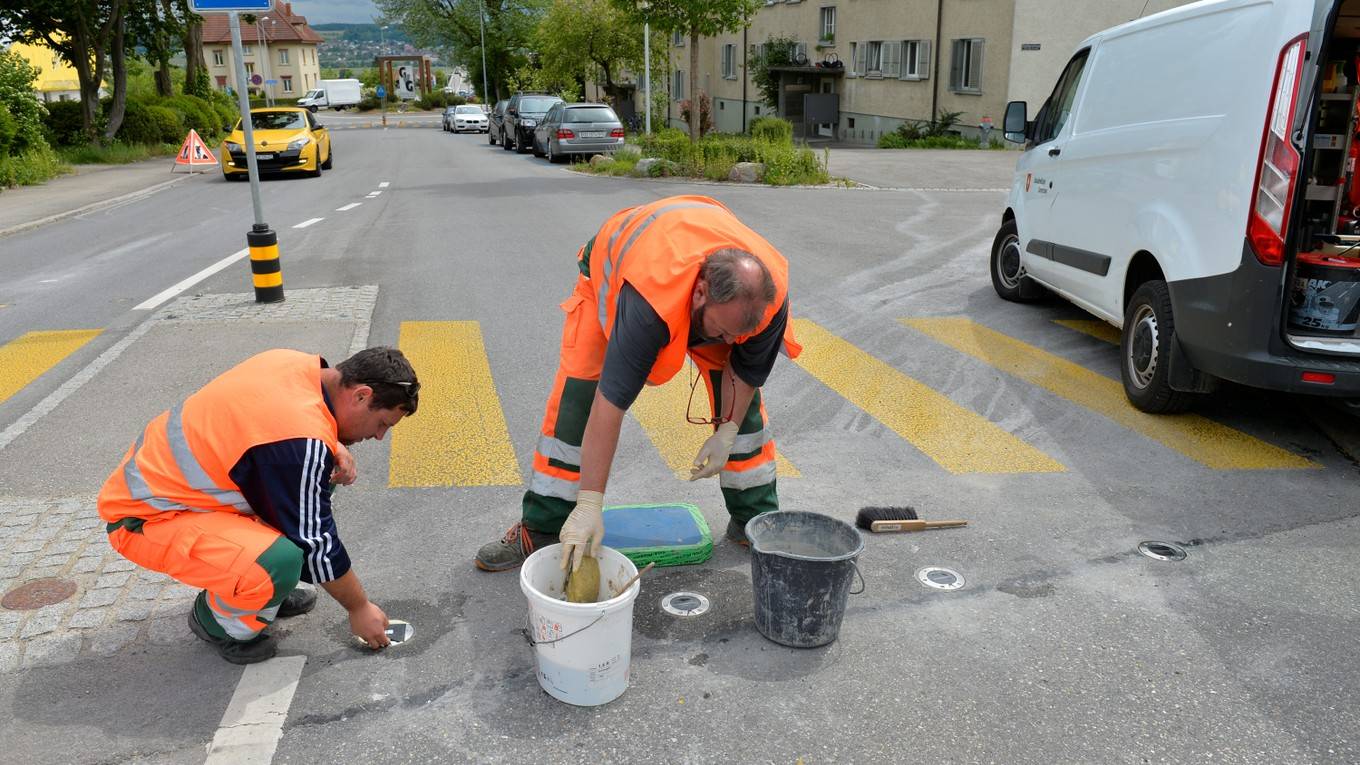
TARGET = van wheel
x,y
1145,352
1008,276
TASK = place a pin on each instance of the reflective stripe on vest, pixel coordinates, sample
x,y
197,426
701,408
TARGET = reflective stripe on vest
x,y
196,478
136,484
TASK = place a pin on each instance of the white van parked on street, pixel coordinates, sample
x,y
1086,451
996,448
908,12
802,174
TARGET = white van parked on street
x,y
1192,180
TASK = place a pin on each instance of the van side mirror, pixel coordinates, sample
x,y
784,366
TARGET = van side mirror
x,y
1014,126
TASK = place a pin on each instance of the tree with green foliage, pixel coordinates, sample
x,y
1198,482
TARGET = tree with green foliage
x,y
694,18
24,109
455,25
585,37
776,51
91,36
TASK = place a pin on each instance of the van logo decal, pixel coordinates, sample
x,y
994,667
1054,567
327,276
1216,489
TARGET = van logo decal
x,y
1029,178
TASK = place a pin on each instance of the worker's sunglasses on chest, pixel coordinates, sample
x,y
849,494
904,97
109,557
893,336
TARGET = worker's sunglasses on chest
x,y
729,401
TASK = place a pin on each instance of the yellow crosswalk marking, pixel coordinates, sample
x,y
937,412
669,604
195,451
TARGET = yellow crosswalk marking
x,y
1100,330
1205,441
25,358
960,440
458,437
661,411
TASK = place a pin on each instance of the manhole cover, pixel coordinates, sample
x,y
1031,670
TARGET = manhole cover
x,y
939,578
38,593
1162,550
684,604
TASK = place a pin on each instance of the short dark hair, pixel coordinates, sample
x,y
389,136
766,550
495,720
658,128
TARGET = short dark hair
x,y
388,373
724,269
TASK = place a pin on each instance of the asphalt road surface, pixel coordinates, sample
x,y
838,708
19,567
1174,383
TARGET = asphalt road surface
x,y
918,387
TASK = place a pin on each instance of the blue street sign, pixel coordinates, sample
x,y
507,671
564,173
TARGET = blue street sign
x,y
218,6
271,82
382,92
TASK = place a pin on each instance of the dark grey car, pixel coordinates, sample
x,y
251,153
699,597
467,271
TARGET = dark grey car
x,y
569,129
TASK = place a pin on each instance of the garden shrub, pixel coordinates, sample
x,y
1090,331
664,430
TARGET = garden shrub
x,y
772,129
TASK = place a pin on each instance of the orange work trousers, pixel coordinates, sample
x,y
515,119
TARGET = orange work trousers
x,y
244,566
747,479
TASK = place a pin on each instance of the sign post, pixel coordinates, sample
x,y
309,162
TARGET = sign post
x,y
267,274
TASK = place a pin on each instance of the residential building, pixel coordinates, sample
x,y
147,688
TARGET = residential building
x,y
278,46
57,80
871,65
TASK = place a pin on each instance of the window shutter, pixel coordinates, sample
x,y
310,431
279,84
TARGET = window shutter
x,y
923,59
956,66
976,68
859,57
892,59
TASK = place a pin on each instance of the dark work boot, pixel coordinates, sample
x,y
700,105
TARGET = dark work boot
x,y
512,549
737,532
260,648
298,602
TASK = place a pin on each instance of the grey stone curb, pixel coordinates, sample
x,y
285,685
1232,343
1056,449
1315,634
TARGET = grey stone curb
x,y
92,206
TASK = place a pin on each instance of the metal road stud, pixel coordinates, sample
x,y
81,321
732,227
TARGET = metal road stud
x,y
266,271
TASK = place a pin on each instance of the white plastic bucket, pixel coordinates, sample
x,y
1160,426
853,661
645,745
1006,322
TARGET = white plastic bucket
x,y
583,649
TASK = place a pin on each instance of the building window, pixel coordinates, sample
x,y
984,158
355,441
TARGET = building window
x,y
217,57
245,50
868,58
221,82
965,68
250,68
828,24
283,55
678,39
678,87
915,59
729,62
287,84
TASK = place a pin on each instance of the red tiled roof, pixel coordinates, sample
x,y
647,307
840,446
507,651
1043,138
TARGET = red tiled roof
x,y
288,28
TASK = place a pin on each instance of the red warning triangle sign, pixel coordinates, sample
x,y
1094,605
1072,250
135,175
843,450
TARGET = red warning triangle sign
x,y
194,152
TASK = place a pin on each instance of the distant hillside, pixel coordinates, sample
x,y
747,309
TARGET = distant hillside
x,y
359,32
356,45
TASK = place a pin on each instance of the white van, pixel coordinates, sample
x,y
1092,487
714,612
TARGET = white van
x,y
332,94
1191,180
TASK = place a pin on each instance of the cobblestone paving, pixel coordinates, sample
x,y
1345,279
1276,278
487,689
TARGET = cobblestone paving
x,y
116,603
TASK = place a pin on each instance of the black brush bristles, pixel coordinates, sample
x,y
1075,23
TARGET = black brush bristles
x,y
867,515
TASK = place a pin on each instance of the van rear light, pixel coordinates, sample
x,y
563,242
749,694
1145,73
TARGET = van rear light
x,y
564,133
616,133
1319,378
1277,169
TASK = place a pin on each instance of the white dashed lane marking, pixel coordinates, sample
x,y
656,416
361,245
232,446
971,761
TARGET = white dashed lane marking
x,y
349,206
308,222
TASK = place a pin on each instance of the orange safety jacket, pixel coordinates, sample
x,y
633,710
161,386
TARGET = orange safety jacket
x,y
659,248
183,459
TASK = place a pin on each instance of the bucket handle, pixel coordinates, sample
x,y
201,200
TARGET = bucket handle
x,y
529,634
862,585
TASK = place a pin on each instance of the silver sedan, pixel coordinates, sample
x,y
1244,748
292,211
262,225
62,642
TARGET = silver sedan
x,y
569,129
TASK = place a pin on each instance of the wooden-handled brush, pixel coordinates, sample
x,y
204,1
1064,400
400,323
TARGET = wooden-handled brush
x,y
880,519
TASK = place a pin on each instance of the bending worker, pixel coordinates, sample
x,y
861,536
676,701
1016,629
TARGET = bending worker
x,y
231,491
677,276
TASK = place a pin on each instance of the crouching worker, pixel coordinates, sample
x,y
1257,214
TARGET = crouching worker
x,y
231,491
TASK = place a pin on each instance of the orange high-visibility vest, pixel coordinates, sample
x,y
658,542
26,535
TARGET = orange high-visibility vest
x,y
659,248
183,459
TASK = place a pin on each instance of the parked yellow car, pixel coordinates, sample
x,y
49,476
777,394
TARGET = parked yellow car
x,y
287,140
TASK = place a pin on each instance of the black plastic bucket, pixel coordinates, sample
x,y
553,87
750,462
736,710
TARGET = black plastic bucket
x,y
802,566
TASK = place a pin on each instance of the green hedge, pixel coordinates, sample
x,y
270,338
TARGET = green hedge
x,y
9,128
772,129
139,126
63,123
715,154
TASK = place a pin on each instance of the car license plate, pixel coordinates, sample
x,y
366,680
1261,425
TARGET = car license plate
x,y
265,155
592,134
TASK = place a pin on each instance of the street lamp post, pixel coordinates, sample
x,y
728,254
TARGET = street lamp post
x,y
382,81
646,67
263,40
481,22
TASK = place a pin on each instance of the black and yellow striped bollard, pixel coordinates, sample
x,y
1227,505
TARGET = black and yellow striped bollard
x,y
265,269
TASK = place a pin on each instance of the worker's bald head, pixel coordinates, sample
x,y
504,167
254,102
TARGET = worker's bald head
x,y
737,276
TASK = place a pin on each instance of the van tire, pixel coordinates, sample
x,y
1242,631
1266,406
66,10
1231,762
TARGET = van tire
x,y
1145,351
1008,279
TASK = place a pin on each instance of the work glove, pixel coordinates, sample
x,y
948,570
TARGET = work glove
x,y
584,528
713,454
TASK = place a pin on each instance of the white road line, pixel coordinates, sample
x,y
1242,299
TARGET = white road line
x,y
374,193
253,723
349,206
384,184
165,295
308,222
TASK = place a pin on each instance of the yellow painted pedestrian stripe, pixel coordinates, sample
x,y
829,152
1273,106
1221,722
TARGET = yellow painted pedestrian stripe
x,y
661,412
958,439
1100,330
25,358
1203,440
458,437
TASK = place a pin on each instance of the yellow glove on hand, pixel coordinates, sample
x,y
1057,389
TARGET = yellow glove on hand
x,y
583,528
713,454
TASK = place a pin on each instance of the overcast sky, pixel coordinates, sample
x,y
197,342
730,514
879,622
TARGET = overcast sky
x,y
335,11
